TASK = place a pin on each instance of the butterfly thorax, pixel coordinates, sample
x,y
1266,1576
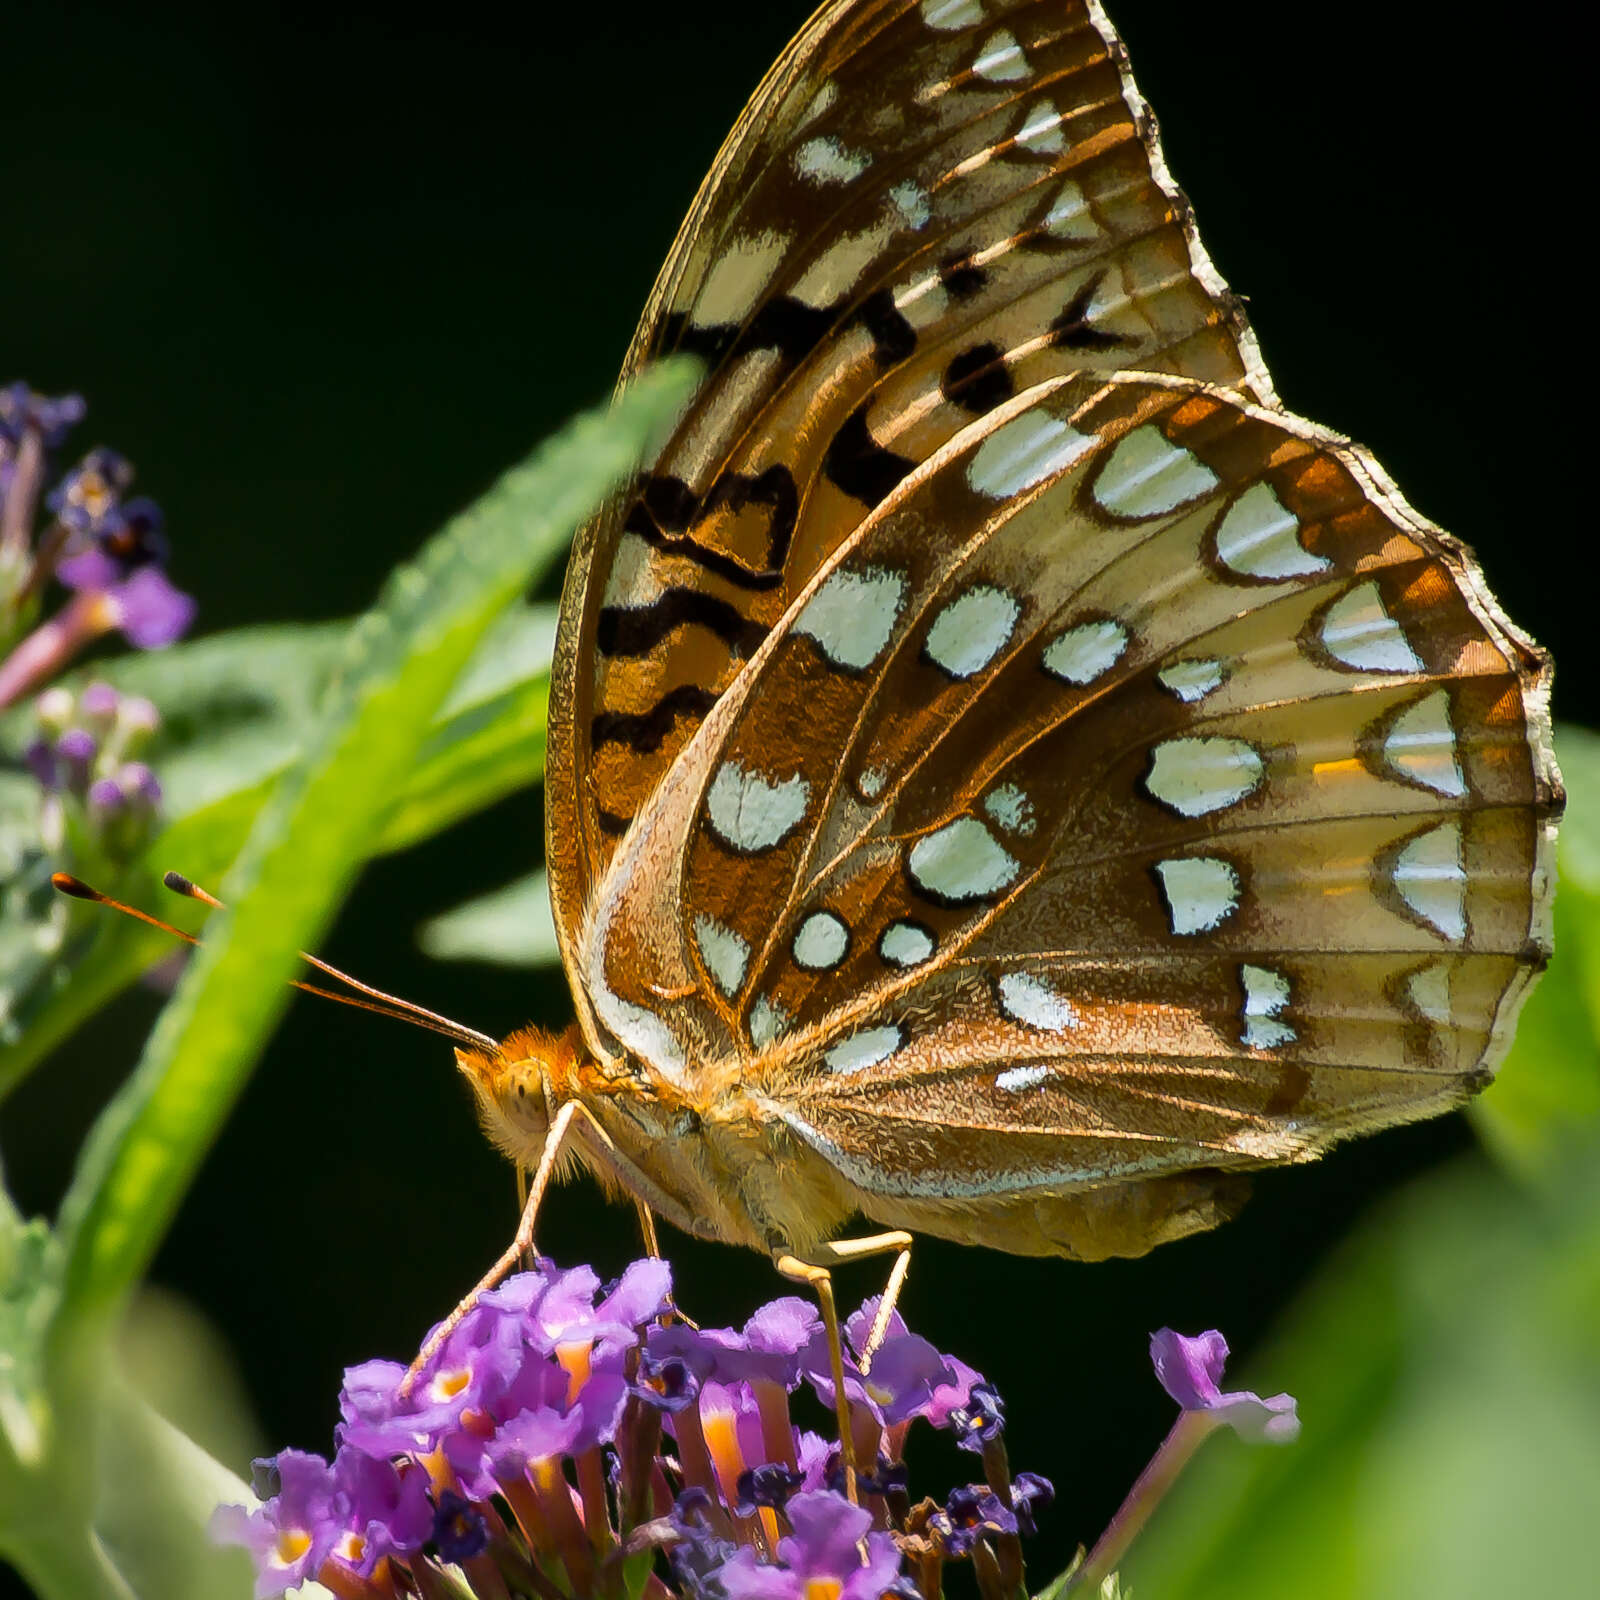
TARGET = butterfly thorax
x,y
710,1165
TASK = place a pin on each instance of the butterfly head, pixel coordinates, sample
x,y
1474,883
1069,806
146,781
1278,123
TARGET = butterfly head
x,y
519,1085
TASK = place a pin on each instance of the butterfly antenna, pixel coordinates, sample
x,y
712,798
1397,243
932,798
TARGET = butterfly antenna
x,y
77,889
378,1002
407,1010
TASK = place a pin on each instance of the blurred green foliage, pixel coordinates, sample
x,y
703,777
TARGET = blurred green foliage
x,y
235,711
404,731
512,926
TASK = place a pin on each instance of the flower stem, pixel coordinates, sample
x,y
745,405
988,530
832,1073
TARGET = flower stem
x,y
592,1492
348,1584
51,646
433,1583
17,506
1189,1432
777,1431
484,1575
44,562
564,1523
694,1457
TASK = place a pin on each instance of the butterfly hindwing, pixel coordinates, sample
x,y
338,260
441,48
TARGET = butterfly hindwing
x,y
1142,787
927,209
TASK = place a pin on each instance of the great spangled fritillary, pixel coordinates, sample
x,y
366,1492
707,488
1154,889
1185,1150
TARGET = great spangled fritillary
x,y
1007,776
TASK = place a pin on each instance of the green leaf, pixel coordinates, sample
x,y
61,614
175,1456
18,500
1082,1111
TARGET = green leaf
x,y
512,927
394,676
1058,1588
490,738
1444,1366
30,1278
155,1492
486,742
1546,1095
178,1361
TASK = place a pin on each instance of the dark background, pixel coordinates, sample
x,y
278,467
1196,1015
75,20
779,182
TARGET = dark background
x,y
323,275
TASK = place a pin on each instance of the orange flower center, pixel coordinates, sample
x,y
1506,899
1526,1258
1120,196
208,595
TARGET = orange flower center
x,y
447,1385
292,1544
575,1359
721,1431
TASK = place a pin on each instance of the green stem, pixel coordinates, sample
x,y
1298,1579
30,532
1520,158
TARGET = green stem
x,y
1189,1432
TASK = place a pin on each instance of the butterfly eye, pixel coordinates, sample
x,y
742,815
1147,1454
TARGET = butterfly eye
x,y
511,1087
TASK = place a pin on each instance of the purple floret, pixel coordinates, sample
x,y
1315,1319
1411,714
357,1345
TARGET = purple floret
x,y
459,1529
386,1512
907,1378
1190,1370
981,1419
50,416
89,493
99,702
149,610
825,1545
295,1531
559,1307
105,798
971,1512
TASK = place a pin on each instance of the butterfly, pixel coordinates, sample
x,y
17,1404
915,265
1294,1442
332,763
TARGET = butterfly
x,y
1008,777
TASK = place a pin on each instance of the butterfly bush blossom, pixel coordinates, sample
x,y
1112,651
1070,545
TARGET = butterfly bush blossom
x,y
75,541
573,1440
1189,1368
98,798
108,552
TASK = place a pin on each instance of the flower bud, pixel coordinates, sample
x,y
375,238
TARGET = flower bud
x,y
55,709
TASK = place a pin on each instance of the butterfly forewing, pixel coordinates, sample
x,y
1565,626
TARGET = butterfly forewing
x,y
1143,786
996,755
927,209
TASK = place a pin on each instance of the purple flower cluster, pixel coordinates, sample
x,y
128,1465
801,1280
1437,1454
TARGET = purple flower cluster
x,y
99,798
571,1440
747,1468
108,551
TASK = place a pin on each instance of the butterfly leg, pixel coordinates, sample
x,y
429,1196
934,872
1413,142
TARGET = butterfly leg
x,y
878,1244
647,1227
820,1281
560,1124
522,1205
652,1248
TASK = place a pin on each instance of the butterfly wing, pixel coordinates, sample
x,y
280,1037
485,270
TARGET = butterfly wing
x,y
925,209
1142,787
